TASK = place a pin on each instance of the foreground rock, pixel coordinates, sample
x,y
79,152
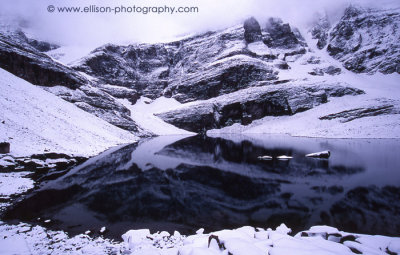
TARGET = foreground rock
x,y
254,103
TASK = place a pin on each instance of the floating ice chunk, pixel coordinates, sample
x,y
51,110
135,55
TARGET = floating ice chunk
x,y
265,157
322,154
164,234
284,157
102,230
88,232
263,235
47,221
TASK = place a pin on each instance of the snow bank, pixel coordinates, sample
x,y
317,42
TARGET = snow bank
x,y
27,239
319,240
14,183
34,121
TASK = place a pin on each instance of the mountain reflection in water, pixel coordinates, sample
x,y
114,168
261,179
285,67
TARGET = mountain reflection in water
x,y
185,183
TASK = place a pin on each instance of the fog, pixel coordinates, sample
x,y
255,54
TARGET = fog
x,y
99,28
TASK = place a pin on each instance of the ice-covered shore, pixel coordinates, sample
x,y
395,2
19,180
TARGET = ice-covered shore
x,y
27,239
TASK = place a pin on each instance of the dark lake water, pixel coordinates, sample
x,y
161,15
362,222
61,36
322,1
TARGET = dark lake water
x,y
185,183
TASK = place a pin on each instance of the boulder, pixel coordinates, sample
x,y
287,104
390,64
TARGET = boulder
x,y
4,147
332,70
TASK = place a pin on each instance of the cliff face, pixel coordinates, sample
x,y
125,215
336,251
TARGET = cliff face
x,y
20,58
367,41
229,71
200,67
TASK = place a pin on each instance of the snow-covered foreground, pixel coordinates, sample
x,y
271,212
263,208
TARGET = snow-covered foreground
x,y
321,240
33,121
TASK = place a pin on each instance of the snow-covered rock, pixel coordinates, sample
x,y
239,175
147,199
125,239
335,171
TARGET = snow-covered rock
x,y
247,105
320,31
28,63
367,40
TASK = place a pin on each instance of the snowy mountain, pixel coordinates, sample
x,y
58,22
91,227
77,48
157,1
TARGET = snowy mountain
x,y
239,79
333,79
222,77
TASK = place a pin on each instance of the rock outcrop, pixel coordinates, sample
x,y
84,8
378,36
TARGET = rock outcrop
x,y
252,30
250,104
281,35
379,107
222,77
31,65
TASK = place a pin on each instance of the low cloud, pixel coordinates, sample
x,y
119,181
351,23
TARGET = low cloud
x,y
99,28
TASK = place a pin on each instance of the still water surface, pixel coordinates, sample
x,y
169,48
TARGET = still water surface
x,y
185,183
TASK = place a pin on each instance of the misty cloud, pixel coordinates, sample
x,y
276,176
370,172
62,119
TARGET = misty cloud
x,y
100,28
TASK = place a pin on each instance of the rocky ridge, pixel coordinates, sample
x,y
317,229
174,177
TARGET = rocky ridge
x,y
199,67
20,58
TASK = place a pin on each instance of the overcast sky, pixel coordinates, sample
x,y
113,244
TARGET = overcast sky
x,y
96,29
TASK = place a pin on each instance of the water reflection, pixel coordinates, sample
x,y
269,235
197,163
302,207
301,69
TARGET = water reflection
x,y
184,183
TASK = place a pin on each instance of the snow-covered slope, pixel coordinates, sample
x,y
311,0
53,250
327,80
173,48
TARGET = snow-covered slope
x,y
142,112
34,120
